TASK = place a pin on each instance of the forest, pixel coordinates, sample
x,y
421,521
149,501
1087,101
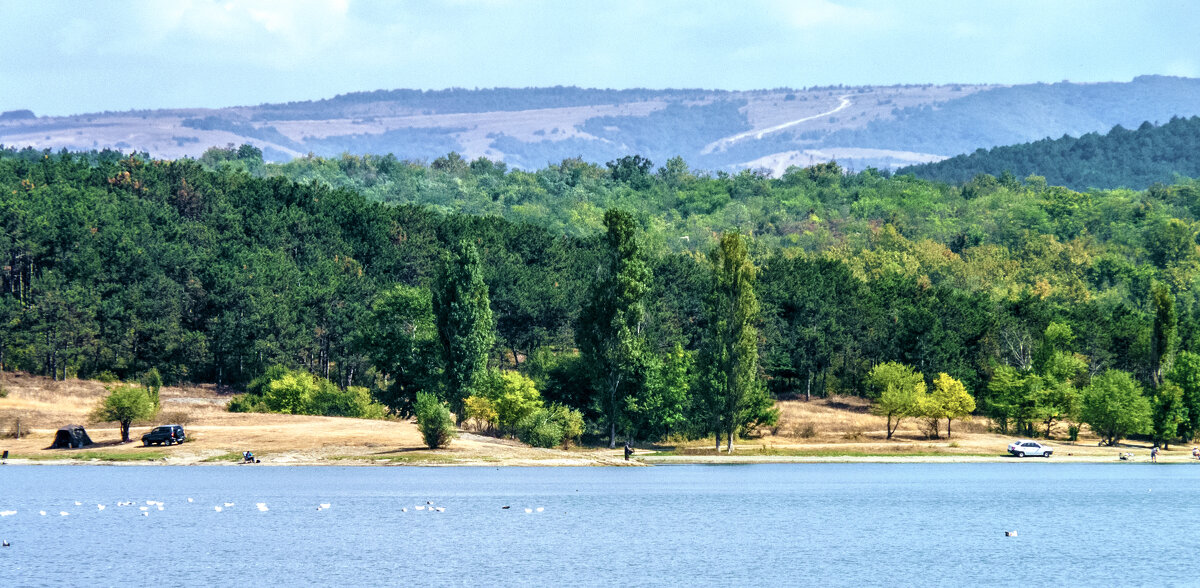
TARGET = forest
x,y
653,301
1118,159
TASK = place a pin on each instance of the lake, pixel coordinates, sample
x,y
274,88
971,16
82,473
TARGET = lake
x,y
757,525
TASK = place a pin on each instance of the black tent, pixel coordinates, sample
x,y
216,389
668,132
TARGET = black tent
x,y
71,436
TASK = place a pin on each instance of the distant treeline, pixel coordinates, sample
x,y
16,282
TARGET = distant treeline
x,y
1119,159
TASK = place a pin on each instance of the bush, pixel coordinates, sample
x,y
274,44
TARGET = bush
x,y
247,403
258,386
514,397
299,392
434,420
550,427
107,377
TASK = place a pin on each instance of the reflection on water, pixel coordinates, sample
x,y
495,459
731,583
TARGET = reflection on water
x,y
794,524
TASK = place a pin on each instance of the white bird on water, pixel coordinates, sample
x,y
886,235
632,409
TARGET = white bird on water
x,y
419,507
143,508
217,508
145,514
99,507
528,510
7,513
63,513
189,500
262,506
540,509
42,512
325,505
441,509
404,510
77,503
1010,533
228,504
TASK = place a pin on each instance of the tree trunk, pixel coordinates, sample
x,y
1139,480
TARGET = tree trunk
x,y
717,437
124,431
808,390
947,427
729,445
889,426
612,434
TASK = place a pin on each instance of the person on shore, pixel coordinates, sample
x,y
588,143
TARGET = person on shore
x,y
1196,453
1154,454
628,450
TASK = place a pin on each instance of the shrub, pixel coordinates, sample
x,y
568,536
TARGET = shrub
x,y
299,392
514,397
571,422
247,403
550,427
537,429
434,420
107,377
258,386
355,401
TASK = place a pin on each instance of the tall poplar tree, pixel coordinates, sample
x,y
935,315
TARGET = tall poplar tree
x,y
1164,336
731,395
611,334
464,323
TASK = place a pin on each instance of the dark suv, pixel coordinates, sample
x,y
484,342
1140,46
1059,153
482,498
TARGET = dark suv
x,y
166,434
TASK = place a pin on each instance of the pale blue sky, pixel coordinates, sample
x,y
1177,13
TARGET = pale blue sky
x,y
71,56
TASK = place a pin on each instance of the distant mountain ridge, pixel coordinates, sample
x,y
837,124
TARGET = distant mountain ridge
x,y
1121,158
880,126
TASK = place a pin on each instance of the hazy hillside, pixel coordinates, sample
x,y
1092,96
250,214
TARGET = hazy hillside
x,y
881,126
1121,158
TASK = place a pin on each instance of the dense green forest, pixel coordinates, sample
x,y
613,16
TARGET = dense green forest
x,y
1119,159
215,270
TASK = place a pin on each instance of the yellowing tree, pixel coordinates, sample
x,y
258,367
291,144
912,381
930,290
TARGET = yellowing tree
x,y
949,400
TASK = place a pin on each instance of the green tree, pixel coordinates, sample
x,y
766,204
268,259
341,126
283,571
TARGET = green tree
x,y
513,396
611,337
433,420
898,391
1114,407
152,381
949,400
1164,338
1186,374
729,388
1169,414
124,405
399,336
662,408
464,323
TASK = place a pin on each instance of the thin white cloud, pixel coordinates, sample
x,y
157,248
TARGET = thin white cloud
x,y
807,14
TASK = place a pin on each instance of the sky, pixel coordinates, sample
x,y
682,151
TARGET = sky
x,y
73,56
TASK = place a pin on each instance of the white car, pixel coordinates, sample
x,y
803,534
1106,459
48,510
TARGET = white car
x,y
1026,447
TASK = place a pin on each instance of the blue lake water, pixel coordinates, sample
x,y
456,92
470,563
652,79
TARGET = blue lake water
x,y
756,525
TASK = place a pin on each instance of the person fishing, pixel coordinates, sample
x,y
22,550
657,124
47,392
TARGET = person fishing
x,y
628,450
